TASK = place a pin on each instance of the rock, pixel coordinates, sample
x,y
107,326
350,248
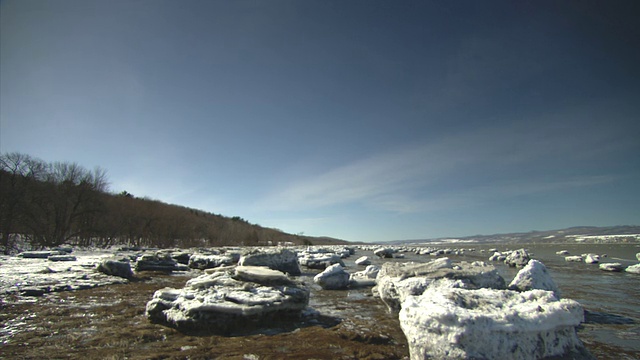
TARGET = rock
x,y
37,254
562,252
497,256
61,258
261,275
63,249
634,269
364,261
333,278
490,324
518,258
223,303
386,253
157,262
396,281
575,258
592,259
367,277
615,267
181,257
115,268
320,261
534,276
276,259
201,261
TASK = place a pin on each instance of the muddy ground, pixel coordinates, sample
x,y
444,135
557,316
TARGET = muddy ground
x,y
108,323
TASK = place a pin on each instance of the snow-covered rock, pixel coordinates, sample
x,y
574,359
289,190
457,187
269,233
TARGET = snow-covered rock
x,y
534,276
562,252
223,302
592,259
319,260
456,323
638,256
386,253
497,256
396,281
283,260
156,262
202,261
39,254
615,267
61,258
366,277
575,258
333,278
634,269
518,257
363,261
115,268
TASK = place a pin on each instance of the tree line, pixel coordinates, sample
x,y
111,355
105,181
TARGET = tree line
x,y
50,204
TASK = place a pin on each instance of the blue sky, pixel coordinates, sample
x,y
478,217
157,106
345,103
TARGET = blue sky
x,y
361,120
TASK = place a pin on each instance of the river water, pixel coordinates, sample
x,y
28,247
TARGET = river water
x,y
611,300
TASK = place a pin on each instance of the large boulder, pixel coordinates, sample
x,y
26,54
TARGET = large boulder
x,y
490,324
115,268
230,300
277,259
333,278
534,276
396,281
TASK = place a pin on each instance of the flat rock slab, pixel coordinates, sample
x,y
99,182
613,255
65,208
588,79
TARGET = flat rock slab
x,y
491,324
224,302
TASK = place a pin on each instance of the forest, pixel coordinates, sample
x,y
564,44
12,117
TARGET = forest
x,y
50,204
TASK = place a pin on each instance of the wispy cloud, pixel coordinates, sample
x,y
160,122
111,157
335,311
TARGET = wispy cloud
x,y
441,173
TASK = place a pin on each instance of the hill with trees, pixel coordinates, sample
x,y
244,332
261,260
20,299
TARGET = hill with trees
x,y
50,204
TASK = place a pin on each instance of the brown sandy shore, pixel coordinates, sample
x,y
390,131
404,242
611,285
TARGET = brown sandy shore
x,y
108,322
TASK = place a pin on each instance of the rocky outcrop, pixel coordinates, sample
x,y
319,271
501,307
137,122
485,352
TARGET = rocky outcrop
x,y
233,299
534,276
333,278
276,259
490,324
396,281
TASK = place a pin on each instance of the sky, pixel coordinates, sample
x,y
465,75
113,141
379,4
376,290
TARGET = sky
x,y
359,120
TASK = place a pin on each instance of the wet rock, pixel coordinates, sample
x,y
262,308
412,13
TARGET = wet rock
x,y
591,259
386,253
277,259
518,258
202,261
614,267
115,268
490,324
333,278
534,276
634,269
396,281
156,262
223,302
363,261
575,258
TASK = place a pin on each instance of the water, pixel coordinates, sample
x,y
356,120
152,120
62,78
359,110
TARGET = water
x,y
611,300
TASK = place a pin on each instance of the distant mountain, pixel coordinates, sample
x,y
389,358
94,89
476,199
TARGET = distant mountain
x,y
585,234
